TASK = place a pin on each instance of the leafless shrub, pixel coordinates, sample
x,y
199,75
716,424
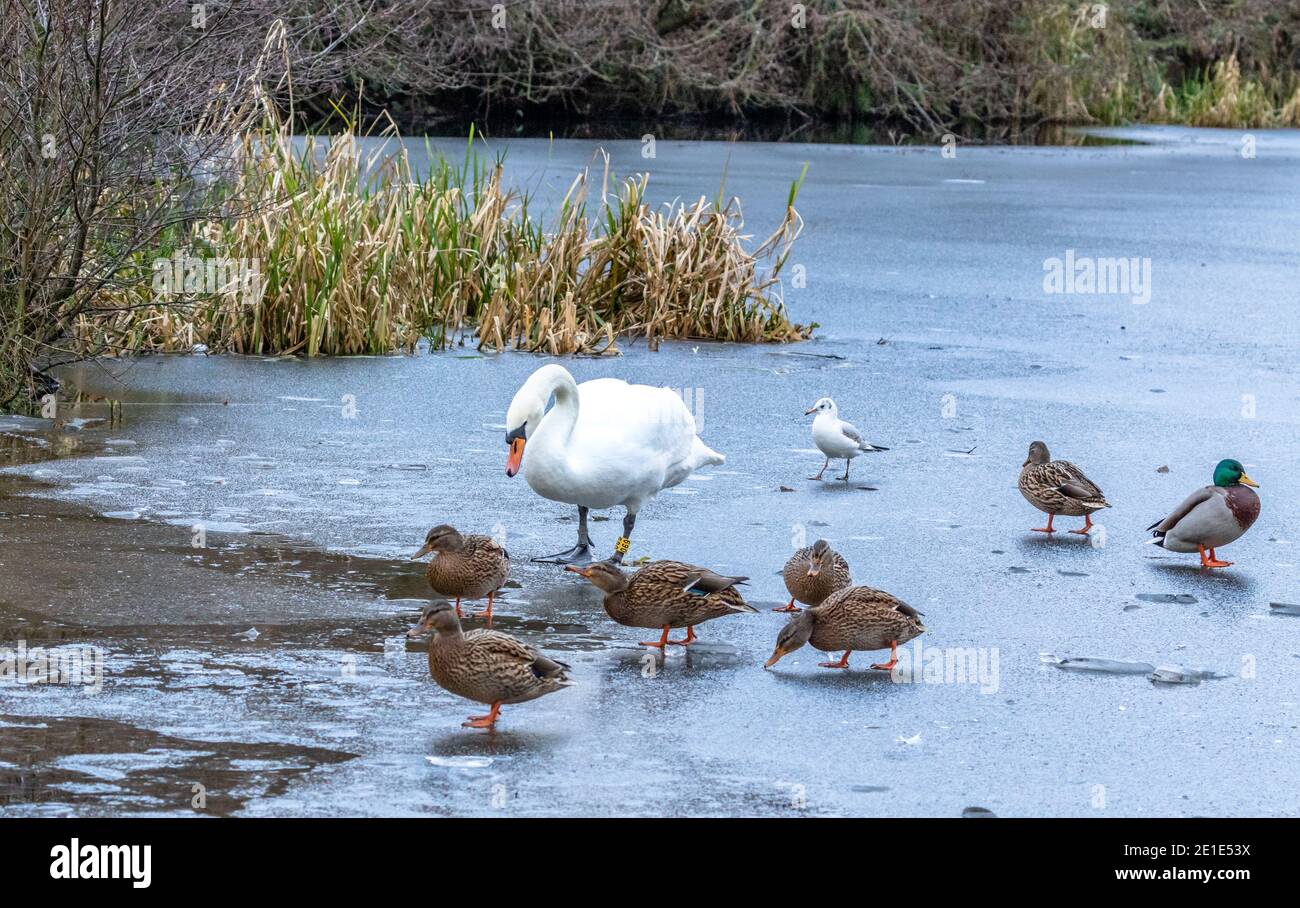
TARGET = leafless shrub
x,y
113,116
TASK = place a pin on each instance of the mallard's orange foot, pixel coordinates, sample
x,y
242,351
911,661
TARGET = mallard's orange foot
x,y
1217,564
788,608
484,721
1042,530
886,666
843,663
659,644
485,615
685,641
1082,532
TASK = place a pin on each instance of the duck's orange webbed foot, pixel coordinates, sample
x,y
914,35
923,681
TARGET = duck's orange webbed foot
x,y
484,721
687,640
1087,526
843,663
791,607
659,644
1046,529
893,658
486,614
1209,560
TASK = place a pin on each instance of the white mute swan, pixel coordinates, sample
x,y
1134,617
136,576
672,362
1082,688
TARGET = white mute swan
x,y
835,437
604,443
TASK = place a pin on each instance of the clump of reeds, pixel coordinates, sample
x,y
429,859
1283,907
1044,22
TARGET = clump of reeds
x,y
358,254
1224,98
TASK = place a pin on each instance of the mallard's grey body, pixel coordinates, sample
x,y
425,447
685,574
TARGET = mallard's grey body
x,y
1210,517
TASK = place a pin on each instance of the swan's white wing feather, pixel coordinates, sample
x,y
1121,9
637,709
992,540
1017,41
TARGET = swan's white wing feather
x,y
629,442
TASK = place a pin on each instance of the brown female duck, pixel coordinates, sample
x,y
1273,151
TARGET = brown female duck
x,y
854,618
1059,487
813,573
665,594
487,666
465,567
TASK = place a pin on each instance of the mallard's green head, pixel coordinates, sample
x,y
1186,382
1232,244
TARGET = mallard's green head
x,y
1231,472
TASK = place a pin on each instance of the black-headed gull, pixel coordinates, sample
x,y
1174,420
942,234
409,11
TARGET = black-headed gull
x,y
835,437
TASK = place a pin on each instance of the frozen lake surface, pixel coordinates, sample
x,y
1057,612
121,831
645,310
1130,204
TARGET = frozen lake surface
x,y
269,667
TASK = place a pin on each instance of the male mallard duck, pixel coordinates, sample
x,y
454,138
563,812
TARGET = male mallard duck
x,y
665,594
465,567
813,573
854,618
1211,517
487,666
836,438
1059,487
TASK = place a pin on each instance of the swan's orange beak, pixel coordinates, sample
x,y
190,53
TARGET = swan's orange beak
x,y
516,456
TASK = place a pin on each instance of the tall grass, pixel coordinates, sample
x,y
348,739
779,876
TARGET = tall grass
x,y
1110,75
359,254
1222,97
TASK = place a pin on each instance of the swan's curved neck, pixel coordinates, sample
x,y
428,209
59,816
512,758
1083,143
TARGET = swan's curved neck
x,y
564,415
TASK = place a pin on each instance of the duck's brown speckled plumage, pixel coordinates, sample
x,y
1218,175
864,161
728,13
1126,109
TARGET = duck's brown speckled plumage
x,y
478,568
492,667
672,594
487,666
863,618
1058,487
851,619
813,590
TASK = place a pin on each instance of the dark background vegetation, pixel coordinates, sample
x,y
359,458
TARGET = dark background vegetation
x,y
994,67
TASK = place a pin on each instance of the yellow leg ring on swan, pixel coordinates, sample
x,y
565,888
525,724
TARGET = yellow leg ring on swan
x,y
622,545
